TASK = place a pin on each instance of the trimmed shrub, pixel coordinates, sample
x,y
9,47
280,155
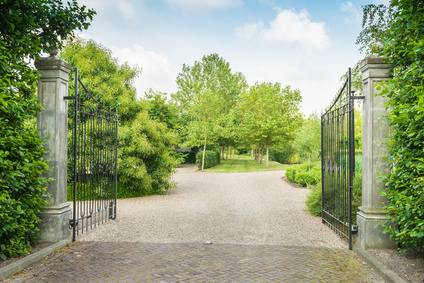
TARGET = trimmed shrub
x,y
212,158
283,155
303,174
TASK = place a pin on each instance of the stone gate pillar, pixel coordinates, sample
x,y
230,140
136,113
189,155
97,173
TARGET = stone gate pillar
x,y
52,123
374,70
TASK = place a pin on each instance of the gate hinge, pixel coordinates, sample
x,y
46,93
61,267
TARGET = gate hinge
x,y
69,97
73,223
358,97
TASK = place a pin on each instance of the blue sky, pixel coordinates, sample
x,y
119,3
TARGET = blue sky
x,y
306,44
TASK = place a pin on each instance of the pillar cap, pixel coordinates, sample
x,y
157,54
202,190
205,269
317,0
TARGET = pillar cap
x,y
52,63
375,59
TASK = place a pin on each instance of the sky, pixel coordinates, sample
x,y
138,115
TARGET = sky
x,y
308,45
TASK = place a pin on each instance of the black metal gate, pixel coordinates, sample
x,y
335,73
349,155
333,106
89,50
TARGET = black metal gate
x,y
338,161
92,155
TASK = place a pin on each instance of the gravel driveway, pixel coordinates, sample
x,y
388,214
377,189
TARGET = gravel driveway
x,y
228,208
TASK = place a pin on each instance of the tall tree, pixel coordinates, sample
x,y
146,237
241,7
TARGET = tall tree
x,y
26,29
268,114
207,91
145,164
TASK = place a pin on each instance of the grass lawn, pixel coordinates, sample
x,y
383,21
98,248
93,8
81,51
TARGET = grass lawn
x,y
241,163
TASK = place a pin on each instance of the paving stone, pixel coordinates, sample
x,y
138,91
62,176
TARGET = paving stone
x,y
163,262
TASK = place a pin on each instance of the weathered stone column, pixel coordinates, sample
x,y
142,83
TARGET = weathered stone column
x,y
52,122
374,131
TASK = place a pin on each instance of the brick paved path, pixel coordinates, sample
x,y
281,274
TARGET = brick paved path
x,y
141,262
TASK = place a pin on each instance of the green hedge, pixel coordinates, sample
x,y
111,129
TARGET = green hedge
x,y
212,158
283,155
303,174
313,200
22,186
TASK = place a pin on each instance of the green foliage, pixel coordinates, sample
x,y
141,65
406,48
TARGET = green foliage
x,y
26,29
308,139
207,94
190,157
284,153
358,130
145,159
314,201
403,43
268,115
212,158
161,110
358,162
304,174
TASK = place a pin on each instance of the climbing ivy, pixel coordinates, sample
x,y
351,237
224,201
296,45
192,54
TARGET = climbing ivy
x,y
26,29
403,42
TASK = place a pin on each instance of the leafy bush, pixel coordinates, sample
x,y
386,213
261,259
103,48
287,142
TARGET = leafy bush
x,y
404,183
303,174
212,158
145,161
314,198
21,165
27,29
283,154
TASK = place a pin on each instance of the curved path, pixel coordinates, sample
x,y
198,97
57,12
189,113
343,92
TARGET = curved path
x,y
230,208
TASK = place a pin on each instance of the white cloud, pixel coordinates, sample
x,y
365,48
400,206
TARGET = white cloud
x,y
249,31
384,2
352,10
289,27
126,9
156,67
201,5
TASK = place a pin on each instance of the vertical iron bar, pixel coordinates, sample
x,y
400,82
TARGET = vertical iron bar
x,y
116,163
351,156
74,215
322,165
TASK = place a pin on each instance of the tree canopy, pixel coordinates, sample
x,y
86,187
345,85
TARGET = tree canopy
x,y
207,91
26,29
268,114
145,163
398,28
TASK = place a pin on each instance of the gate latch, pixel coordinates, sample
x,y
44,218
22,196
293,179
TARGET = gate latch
x,y
73,223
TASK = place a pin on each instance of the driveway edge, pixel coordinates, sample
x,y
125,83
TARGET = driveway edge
x,y
28,260
387,274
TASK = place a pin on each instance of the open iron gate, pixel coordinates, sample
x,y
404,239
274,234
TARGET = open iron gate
x,y
338,161
92,155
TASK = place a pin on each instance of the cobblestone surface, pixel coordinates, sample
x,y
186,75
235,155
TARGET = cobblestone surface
x,y
162,262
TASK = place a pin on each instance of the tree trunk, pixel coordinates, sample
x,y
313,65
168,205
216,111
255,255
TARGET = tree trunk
x,y
203,157
267,156
309,161
252,152
227,152
222,153
261,152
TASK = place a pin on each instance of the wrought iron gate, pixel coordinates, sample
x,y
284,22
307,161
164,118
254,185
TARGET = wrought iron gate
x,y
338,161
92,155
